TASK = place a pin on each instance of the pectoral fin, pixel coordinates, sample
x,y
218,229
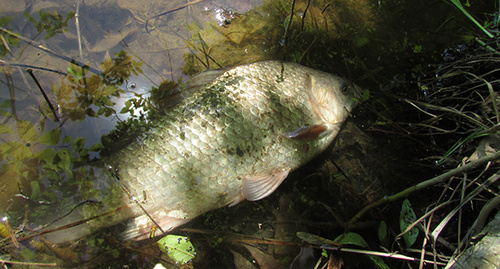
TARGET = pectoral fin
x,y
256,188
307,132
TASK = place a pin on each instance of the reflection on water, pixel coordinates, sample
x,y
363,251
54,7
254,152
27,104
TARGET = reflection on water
x,y
128,56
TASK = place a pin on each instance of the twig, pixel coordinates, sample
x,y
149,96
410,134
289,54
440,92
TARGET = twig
x,y
423,111
10,84
177,8
78,33
376,253
493,94
33,67
73,209
304,16
137,202
73,224
30,71
451,110
49,51
415,224
444,222
11,234
483,215
425,184
285,43
478,225
29,263
242,238
190,44
204,49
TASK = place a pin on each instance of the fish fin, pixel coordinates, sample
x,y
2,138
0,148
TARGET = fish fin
x,y
201,80
236,200
68,234
173,96
140,227
307,132
256,188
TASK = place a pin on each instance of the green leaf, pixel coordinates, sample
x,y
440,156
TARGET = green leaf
x,y
314,239
67,139
27,254
364,97
73,71
110,89
51,137
96,147
51,174
177,247
124,110
65,161
47,155
35,189
382,230
26,131
5,130
458,4
351,239
127,105
5,20
6,104
406,218
16,150
378,262
5,113
79,143
324,253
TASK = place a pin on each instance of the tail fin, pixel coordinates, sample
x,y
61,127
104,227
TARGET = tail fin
x,y
74,226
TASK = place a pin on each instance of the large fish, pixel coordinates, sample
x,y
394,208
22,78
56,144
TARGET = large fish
x,y
234,134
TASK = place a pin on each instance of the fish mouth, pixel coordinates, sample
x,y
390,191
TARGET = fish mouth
x,y
349,96
335,105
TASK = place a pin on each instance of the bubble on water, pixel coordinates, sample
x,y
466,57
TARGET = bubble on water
x,y
131,86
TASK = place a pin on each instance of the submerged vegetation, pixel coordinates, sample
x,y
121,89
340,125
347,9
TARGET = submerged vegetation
x,y
52,23
432,84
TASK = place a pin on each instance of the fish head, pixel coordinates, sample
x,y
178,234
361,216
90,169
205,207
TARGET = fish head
x,y
333,97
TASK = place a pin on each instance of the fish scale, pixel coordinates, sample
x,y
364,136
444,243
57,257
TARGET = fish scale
x,y
231,137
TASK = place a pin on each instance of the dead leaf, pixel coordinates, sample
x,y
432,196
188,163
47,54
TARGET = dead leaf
x,y
264,260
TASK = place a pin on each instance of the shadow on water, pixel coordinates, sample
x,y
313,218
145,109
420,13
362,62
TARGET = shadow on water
x,y
107,68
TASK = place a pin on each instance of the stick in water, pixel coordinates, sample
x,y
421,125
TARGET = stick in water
x,y
30,71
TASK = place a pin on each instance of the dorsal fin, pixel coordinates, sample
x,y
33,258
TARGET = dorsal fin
x,y
173,96
201,80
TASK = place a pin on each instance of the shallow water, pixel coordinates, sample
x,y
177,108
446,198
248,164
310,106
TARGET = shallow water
x,y
384,46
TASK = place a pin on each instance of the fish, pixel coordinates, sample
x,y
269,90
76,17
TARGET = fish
x,y
233,134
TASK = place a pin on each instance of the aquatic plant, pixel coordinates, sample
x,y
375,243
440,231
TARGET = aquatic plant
x,y
459,5
7,39
52,23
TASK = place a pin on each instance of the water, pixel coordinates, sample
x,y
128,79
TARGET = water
x,y
384,46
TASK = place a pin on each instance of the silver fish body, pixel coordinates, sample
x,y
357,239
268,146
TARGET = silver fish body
x,y
235,134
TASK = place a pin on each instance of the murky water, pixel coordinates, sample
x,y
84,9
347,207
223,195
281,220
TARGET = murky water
x,y
131,52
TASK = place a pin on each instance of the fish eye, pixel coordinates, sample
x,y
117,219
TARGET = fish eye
x,y
344,88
